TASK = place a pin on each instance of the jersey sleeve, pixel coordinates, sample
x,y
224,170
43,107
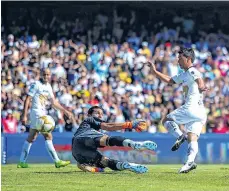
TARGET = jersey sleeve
x,y
33,89
95,123
178,78
195,74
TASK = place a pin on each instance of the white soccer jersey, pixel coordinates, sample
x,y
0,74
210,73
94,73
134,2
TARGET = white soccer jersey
x,y
193,97
192,114
40,94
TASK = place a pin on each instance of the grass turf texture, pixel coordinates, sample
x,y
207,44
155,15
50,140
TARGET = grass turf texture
x,y
45,177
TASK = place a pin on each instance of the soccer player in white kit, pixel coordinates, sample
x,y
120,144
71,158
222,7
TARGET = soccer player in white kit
x,y
40,92
192,114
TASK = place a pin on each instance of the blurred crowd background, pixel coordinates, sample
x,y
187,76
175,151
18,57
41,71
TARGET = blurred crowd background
x,y
96,53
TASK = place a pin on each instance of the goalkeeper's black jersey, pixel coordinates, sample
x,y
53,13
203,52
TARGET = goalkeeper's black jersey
x,y
89,128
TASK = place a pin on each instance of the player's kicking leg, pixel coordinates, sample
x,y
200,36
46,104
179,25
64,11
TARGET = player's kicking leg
x,y
123,142
51,150
33,133
174,129
180,140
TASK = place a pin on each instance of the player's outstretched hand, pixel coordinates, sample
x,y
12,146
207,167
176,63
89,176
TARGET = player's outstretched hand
x,y
152,66
139,125
69,115
205,89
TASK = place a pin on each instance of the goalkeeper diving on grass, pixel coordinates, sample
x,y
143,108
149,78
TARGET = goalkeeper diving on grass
x,y
88,139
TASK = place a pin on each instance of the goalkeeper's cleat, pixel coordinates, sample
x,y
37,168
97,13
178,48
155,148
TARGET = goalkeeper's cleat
x,y
61,163
178,143
188,167
22,165
146,145
137,168
97,169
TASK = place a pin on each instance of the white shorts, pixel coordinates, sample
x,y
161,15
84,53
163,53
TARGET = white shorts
x,y
194,127
36,122
193,119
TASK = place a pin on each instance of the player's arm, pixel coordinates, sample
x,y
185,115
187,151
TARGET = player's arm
x,y
26,105
163,77
32,91
201,85
196,75
96,123
26,108
138,125
57,105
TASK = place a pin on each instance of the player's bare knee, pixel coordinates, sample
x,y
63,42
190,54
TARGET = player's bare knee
x,y
103,140
47,136
192,137
81,167
32,136
31,139
164,120
104,161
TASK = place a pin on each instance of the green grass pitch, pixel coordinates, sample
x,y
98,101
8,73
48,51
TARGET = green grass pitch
x,y
45,177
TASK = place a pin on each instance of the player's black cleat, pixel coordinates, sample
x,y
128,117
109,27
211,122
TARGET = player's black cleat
x,y
178,143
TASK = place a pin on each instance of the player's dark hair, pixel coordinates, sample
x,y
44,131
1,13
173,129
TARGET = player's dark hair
x,y
188,52
91,110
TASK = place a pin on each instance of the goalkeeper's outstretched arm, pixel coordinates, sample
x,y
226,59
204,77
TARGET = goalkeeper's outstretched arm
x,y
138,125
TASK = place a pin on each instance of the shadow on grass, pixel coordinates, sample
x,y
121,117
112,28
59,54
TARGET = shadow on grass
x,y
70,172
76,172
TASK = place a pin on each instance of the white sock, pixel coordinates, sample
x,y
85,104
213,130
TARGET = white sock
x,y
51,150
25,151
173,128
119,166
128,143
192,151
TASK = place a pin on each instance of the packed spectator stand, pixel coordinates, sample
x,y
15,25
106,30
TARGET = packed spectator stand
x,y
96,53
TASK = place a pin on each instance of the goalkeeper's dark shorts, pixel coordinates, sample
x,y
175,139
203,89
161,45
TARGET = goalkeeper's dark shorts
x,y
84,150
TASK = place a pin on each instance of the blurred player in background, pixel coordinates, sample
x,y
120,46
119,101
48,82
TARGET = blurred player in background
x,y
40,92
192,114
88,139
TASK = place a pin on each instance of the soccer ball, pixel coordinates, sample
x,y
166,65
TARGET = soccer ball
x,y
47,124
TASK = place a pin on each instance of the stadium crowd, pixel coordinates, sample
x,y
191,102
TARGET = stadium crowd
x,y
98,60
